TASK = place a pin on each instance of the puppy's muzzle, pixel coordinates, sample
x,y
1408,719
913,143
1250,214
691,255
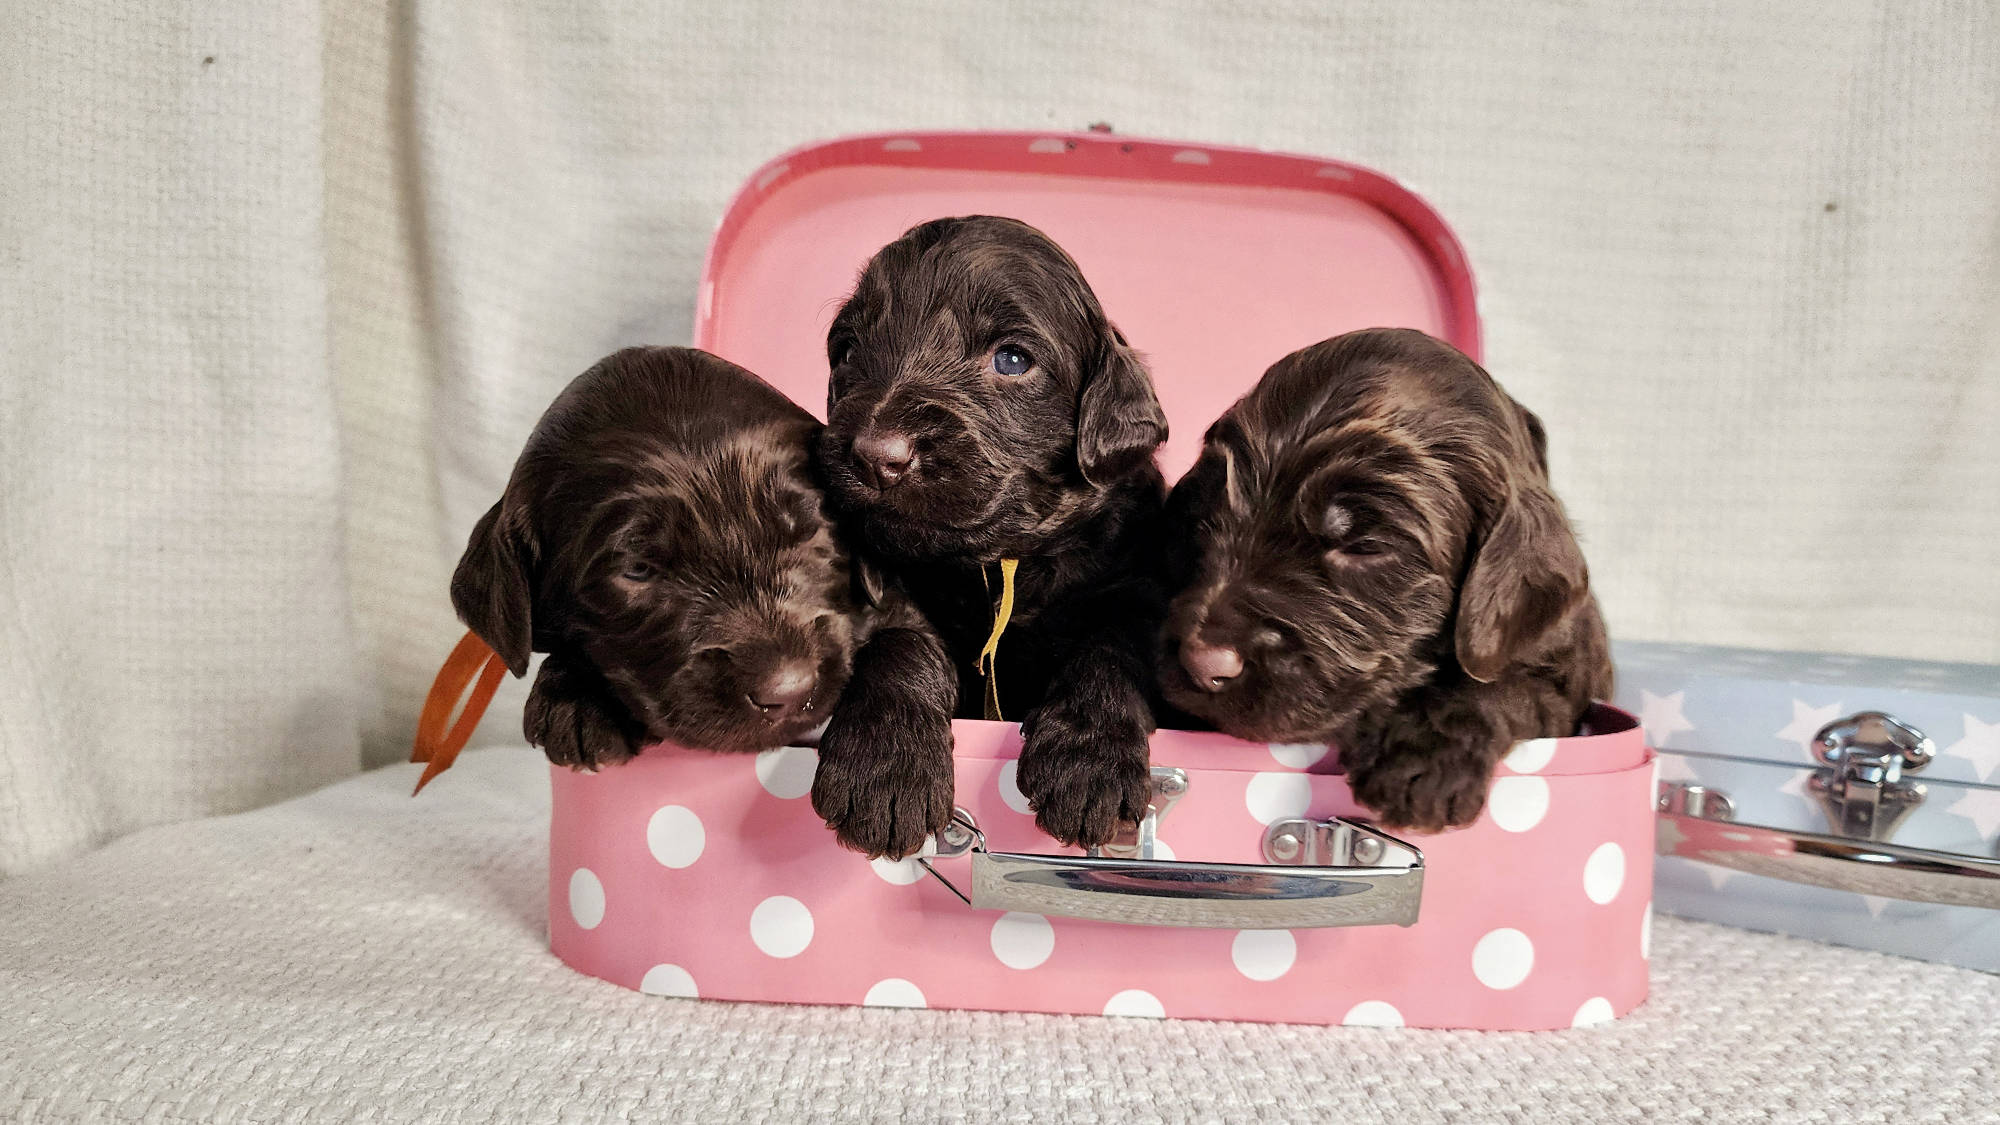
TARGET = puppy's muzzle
x,y
1210,667
784,690
777,687
884,458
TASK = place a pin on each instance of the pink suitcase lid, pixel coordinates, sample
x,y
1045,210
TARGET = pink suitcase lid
x,y
1214,261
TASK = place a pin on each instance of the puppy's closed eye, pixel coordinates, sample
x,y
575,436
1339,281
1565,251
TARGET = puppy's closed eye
x,y
1349,531
799,514
1336,523
839,349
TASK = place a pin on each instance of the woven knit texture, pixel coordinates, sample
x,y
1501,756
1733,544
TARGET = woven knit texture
x,y
357,955
283,286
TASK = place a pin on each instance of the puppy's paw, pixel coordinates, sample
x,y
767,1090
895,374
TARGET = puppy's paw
x,y
574,728
883,789
1085,774
1423,792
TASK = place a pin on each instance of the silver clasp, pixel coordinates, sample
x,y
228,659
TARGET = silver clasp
x,y
1170,784
1298,842
1860,785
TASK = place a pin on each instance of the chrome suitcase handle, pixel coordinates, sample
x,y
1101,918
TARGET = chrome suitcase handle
x,y
1321,873
1697,823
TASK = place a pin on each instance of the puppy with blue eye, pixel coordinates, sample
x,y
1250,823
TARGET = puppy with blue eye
x,y
663,539
1368,552
990,438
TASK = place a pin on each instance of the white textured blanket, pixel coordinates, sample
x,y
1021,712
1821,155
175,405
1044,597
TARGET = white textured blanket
x,y
356,955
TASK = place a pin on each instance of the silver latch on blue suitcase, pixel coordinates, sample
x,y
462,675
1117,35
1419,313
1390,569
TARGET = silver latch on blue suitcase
x,y
1861,788
1321,873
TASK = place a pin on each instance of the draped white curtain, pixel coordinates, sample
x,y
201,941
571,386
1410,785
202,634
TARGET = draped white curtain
x,y
282,288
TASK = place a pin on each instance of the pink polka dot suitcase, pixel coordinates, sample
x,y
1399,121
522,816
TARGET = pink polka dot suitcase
x,y
1256,890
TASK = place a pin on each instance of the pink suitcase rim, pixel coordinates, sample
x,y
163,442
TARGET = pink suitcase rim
x,y
1610,740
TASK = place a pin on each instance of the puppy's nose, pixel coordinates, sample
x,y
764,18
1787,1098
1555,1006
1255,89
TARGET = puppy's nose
x,y
884,458
1211,667
785,689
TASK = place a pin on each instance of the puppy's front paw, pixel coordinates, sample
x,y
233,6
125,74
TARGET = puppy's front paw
x,y
574,728
1423,792
1085,774
883,789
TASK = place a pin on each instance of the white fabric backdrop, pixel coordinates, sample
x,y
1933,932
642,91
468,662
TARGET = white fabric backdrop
x,y
1744,259
175,613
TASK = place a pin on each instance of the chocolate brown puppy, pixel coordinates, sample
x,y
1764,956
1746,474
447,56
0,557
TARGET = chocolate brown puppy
x,y
983,408
663,539
1371,555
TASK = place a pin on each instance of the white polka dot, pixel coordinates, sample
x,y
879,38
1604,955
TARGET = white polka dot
x,y
668,980
1278,796
894,993
674,835
1161,850
1298,755
1503,959
1022,941
1010,788
1372,1013
586,898
1595,1010
1518,803
1135,1002
787,772
1604,873
901,872
781,926
1646,934
1530,756
1264,954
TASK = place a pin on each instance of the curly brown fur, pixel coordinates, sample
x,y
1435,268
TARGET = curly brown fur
x,y
663,539
983,407
1369,552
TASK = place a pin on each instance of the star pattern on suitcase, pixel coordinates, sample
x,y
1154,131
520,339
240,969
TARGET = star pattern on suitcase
x,y
1663,716
1980,745
1982,808
1806,723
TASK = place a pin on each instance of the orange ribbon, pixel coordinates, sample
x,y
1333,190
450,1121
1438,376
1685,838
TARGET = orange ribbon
x,y
435,745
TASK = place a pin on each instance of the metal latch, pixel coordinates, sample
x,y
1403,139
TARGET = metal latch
x,y
1170,784
1860,783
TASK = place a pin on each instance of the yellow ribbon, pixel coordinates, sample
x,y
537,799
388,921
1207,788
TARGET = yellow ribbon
x,y
988,654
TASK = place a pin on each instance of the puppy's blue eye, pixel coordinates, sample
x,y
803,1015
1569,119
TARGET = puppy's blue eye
x,y
640,572
1012,361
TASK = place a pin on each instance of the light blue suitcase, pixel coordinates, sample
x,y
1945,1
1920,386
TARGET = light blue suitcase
x,y
1849,799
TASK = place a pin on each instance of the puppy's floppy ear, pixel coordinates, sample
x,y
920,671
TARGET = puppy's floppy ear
x,y
490,588
1525,579
1119,421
